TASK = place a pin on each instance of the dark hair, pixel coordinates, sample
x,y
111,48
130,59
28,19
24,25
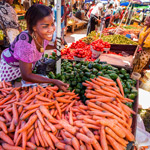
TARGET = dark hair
x,y
35,13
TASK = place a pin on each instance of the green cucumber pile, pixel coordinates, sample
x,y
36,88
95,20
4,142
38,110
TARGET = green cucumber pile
x,y
74,73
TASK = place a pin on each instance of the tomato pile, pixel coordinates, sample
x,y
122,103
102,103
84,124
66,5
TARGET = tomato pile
x,y
78,44
80,53
81,50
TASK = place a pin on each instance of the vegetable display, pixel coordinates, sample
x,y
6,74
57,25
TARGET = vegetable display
x,y
45,118
74,73
118,39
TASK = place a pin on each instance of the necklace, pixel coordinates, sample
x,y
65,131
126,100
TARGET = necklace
x,y
41,46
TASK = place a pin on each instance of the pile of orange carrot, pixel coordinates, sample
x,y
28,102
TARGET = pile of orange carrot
x,y
45,118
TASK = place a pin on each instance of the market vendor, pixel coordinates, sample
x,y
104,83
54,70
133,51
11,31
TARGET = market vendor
x,y
115,18
28,47
94,17
144,42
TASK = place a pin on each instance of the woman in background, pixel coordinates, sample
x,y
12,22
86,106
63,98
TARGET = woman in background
x,y
144,42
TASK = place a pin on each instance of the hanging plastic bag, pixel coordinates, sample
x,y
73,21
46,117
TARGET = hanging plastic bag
x,y
142,136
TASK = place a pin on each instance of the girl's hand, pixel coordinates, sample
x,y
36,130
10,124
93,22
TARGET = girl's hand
x,y
61,85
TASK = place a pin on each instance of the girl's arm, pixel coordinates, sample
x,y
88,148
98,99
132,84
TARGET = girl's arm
x,y
27,75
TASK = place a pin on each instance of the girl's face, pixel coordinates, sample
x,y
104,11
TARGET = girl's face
x,y
45,28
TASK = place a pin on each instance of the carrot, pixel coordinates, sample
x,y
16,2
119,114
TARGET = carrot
x,y
52,127
82,146
3,127
92,84
31,145
103,81
125,107
40,117
28,94
113,143
67,141
67,126
105,93
60,145
30,134
18,140
75,143
103,138
16,132
6,138
2,119
87,120
39,137
84,138
89,146
53,137
17,94
70,117
63,100
8,147
111,91
101,113
24,136
46,113
103,99
7,115
86,84
95,143
12,126
15,114
129,121
98,83
116,137
30,122
68,147
36,138
113,126
129,135
30,107
46,127
27,114
81,117
67,134
42,98
90,104
58,108
108,108
59,94
106,79
120,86
48,139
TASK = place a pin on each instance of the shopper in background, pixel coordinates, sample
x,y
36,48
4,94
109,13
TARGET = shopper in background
x,y
144,42
108,15
114,19
94,17
8,21
63,16
28,47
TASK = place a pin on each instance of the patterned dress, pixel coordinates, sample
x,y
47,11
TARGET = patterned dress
x,y
23,48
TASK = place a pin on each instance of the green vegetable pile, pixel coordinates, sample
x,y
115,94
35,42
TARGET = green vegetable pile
x,y
74,73
91,37
129,27
118,39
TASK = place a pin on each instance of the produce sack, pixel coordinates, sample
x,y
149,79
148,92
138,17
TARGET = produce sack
x,y
11,34
46,65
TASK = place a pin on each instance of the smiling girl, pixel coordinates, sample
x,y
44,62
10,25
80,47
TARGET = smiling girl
x,y
28,47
